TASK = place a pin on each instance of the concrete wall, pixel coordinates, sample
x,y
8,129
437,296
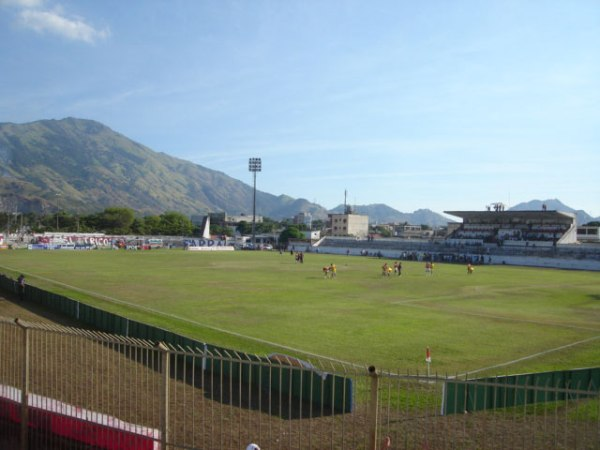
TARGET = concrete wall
x,y
512,260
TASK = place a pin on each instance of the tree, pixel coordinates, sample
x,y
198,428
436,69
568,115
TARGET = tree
x,y
383,231
291,232
220,230
285,223
318,224
267,225
90,223
175,224
67,222
301,226
116,220
153,225
138,226
6,220
45,222
244,227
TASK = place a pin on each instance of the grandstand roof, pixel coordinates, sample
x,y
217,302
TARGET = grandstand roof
x,y
513,216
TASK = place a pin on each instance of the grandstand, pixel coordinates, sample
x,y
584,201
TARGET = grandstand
x,y
528,238
514,228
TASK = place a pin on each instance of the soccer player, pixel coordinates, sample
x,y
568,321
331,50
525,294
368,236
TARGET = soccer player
x,y
384,270
333,270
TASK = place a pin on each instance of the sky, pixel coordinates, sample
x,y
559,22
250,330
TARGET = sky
x,y
445,105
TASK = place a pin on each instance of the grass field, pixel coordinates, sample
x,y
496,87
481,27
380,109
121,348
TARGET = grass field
x,y
499,320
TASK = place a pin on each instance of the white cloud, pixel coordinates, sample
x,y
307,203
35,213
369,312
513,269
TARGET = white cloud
x,y
32,15
22,3
53,22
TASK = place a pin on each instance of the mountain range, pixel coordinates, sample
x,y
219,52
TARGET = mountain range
x,y
554,205
379,214
82,166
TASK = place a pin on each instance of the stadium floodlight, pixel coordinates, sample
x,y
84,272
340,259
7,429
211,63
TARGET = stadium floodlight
x,y
254,165
57,209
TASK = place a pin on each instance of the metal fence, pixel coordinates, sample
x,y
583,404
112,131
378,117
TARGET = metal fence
x,y
67,388
329,389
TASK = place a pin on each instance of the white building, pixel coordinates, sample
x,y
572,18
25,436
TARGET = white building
x,y
355,225
588,234
304,218
312,235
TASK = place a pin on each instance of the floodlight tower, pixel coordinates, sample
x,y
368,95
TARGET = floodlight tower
x,y
254,165
57,209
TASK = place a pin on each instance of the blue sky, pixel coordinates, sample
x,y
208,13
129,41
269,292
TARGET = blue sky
x,y
446,105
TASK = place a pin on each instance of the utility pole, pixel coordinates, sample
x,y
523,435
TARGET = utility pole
x,y
57,210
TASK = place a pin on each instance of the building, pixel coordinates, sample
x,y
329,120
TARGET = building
x,y
588,234
242,218
349,224
312,235
198,219
303,218
222,219
406,231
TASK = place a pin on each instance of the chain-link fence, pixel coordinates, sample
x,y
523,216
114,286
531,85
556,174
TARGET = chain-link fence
x,y
66,388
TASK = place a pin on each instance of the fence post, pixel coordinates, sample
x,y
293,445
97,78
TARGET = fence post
x,y
164,395
373,408
24,385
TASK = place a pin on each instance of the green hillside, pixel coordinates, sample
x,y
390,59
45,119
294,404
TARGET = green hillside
x,y
91,167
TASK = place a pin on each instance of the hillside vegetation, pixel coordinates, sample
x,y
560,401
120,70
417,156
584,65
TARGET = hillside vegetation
x,y
84,166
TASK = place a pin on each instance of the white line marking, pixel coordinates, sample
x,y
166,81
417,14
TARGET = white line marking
x,y
183,319
262,341
524,358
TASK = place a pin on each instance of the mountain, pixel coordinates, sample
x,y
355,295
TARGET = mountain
x,y
554,205
82,166
380,213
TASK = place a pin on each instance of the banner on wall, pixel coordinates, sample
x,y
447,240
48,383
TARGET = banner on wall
x,y
204,245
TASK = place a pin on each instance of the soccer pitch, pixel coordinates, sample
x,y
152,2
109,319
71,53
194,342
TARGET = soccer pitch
x,y
498,320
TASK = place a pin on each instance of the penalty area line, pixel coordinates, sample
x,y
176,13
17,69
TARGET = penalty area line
x,y
183,319
532,356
